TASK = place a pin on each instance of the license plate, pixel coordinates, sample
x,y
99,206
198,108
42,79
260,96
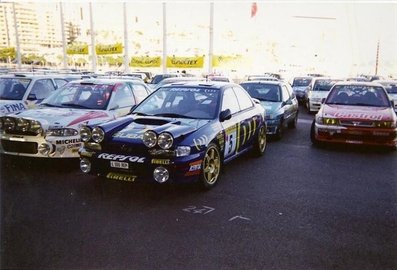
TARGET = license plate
x,y
121,177
118,164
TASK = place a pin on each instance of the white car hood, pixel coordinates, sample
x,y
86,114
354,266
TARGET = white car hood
x,y
318,94
63,117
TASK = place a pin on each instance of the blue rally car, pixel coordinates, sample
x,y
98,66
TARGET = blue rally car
x,y
183,132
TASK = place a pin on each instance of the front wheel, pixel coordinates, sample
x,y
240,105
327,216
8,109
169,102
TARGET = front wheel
x,y
315,142
260,142
211,167
294,122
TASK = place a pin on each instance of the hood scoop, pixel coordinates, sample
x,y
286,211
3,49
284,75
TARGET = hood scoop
x,y
155,121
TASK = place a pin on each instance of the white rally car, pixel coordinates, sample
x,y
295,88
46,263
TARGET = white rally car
x,y
52,130
19,92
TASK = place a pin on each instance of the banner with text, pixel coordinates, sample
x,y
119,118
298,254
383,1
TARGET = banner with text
x,y
145,61
224,60
77,49
109,49
185,62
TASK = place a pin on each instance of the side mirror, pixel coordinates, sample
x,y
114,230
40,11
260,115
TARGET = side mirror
x,y
322,100
225,115
256,101
32,97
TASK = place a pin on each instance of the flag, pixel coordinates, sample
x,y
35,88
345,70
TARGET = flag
x,y
254,9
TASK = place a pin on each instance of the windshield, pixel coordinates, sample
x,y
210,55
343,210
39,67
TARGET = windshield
x,y
263,92
84,96
358,95
323,85
302,81
181,102
13,88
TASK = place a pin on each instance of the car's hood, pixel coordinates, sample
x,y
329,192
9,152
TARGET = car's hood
x,y
63,117
270,106
357,112
12,106
139,125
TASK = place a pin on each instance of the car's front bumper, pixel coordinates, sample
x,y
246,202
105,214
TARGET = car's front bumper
x,y
180,170
33,146
356,135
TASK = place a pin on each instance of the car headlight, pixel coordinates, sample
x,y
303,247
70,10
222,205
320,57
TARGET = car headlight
x,y
182,151
62,132
149,138
327,121
98,134
385,124
22,124
165,140
85,134
9,123
35,126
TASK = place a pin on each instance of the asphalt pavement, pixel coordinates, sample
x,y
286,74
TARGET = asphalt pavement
x,y
297,207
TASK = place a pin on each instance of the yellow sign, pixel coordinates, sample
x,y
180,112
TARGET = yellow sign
x,y
109,49
145,61
185,62
77,49
222,60
7,52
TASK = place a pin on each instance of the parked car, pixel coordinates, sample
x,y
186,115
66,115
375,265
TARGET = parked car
x,y
391,89
300,86
279,101
178,80
317,91
20,92
159,77
52,130
356,113
182,132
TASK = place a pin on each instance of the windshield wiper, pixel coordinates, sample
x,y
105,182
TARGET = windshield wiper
x,y
173,115
141,113
73,105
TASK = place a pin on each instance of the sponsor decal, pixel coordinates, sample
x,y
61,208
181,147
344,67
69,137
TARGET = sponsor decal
x,y
203,140
194,168
122,158
10,108
121,177
88,116
160,161
72,141
358,115
128,135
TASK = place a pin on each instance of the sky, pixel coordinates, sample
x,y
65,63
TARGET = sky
x,y
337,37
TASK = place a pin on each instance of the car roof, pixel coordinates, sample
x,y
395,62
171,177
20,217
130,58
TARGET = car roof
x,y
356,83
97,81
264,82
201,84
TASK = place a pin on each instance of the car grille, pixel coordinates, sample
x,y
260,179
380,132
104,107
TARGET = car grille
x,y
125,148
357,123
19,147
365,137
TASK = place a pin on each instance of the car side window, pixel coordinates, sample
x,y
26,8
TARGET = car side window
x,y
290,90
123,97
244,99
285,93
230,101
41,89
140,92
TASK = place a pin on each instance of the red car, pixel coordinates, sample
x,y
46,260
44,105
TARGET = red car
x,y
356,113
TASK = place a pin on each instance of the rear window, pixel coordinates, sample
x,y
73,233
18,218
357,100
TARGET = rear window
x,y
301,81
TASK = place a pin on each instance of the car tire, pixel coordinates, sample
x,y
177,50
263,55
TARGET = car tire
x,y
294,122
308,106
280,131
260,142
211,167
313,139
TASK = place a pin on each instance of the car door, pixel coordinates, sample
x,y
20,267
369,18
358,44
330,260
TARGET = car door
x,y
229,101
287,104
247,121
